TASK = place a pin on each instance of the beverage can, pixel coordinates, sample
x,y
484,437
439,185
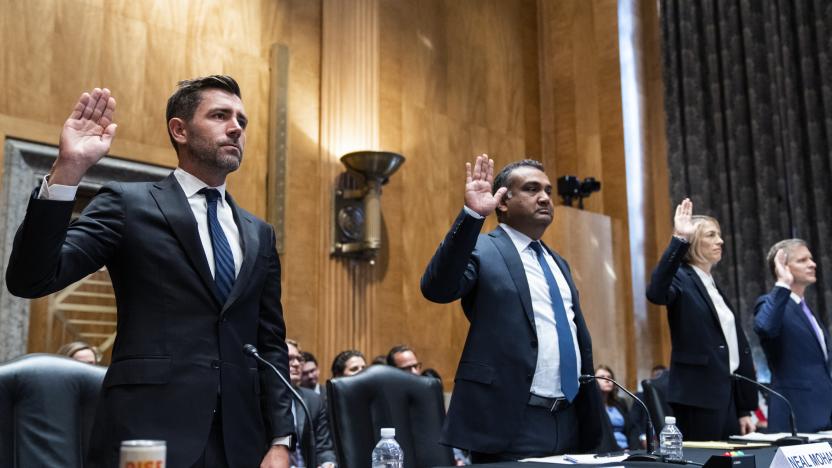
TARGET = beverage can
x,y
142,454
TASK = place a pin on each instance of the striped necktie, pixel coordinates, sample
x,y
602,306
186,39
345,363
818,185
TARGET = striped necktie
x,y
223,259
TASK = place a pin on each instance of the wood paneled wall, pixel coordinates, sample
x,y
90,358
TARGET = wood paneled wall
x,y
454,78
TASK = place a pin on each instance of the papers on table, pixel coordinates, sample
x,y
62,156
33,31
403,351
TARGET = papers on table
x,y
760,437
583,459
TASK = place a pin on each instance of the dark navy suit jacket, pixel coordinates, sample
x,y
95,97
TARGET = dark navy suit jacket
x,y
699,368
495,371
799,369
176,341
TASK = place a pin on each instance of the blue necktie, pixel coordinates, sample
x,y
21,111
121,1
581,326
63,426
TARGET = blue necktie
x,y
566,346
223,260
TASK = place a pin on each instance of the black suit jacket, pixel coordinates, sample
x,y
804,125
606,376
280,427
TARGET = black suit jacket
x,y
494,375
323,441
699,369
177,345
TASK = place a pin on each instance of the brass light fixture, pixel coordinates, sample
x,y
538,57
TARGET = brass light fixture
x,y
357,211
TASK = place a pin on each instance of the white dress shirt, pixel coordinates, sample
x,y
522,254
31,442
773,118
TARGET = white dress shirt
x,y
726,318
546,381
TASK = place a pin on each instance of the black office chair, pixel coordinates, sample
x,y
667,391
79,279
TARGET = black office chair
x,y
655,391
383,396
47,405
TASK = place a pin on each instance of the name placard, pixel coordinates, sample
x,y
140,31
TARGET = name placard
x,y
803,456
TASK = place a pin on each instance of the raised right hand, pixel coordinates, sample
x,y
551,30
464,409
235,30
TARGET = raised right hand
x,y
682,224
781,268
86,137
478,184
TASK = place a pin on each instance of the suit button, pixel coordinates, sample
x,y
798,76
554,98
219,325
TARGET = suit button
x,y
215,364
529,376
534,343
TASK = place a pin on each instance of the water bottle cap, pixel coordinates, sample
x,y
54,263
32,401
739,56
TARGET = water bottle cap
x,y
387,432
670,420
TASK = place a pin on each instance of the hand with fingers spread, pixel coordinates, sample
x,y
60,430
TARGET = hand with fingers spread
x,y
86,137
682,224
781,268
478,186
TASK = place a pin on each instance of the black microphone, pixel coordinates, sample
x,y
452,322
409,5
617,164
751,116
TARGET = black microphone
x,y
793,439
651,454
252,351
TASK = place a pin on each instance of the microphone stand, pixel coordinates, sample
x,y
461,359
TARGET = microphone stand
x,y
793,439
650,455
313,455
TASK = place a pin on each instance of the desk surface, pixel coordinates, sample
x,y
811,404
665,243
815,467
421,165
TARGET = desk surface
x,y
763,457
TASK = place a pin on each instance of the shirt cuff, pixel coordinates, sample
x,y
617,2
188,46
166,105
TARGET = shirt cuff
x,y
285,440
56,192
782,285
472,213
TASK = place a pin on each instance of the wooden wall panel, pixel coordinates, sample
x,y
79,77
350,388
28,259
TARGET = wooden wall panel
x,y
582,133
510,78
55,49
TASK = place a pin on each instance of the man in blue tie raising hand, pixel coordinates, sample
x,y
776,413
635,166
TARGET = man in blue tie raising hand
x,y
516,391
195,277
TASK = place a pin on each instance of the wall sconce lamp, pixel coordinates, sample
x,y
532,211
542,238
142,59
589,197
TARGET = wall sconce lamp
x,y
357,211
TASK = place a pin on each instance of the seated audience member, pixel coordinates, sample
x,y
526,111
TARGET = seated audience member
x,y
625,432
403,357
81,351
432,373
324,450
795,341
347,363
310,374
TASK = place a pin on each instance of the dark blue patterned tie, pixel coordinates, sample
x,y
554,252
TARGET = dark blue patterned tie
x,y
223,260
566,346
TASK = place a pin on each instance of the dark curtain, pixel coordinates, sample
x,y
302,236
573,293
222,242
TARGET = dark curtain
x,y
749,121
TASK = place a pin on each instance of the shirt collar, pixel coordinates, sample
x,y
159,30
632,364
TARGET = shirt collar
x,y
521,241
797,299
705,277
191,184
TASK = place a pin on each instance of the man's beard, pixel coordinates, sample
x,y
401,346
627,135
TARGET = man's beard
x,y
211,154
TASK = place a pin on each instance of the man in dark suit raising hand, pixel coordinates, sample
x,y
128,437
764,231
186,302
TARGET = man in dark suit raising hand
x,y
516,392
195,276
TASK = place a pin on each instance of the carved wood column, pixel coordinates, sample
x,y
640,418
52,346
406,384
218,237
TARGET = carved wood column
x,y
349,122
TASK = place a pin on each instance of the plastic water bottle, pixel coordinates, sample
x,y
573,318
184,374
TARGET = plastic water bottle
x,y
388,453
670,439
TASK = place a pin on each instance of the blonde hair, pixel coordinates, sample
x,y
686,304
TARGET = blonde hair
x,y
694,254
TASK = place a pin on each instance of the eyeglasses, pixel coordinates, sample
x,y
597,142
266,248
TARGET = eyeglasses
x,y
299,359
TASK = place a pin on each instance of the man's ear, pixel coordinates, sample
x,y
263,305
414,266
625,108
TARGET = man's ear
x,y
178,130
502,207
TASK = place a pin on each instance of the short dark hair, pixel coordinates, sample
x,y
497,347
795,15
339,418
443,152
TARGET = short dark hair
x,y
69,349
391,355
309,357
788,245
184,101
339,364
503,178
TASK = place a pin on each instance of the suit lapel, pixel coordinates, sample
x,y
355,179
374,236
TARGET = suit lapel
x,y
704,292
174,206
515,268
250,246
811,329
